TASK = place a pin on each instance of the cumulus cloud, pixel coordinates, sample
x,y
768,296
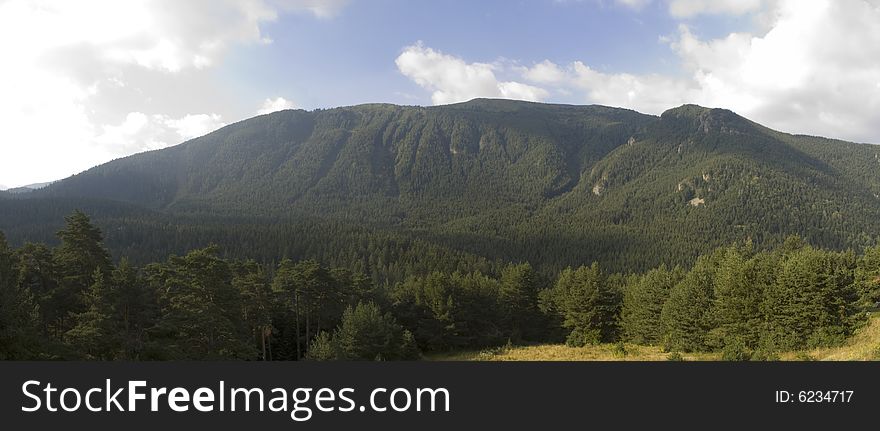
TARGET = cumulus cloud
x,y
276,104
646,93
690,8
69,69
451,79
321,8
194,125
632,4
139,131
815,70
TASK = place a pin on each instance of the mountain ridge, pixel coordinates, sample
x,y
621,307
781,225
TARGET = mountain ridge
x,y
509,180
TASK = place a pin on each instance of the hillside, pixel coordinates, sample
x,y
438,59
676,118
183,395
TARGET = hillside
x,y
485,181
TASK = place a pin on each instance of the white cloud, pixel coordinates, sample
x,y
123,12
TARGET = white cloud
x,y
195,125
276,104
645,93
321,8
545,72
633,4
451,79
816,70
690,8
69,69
139,131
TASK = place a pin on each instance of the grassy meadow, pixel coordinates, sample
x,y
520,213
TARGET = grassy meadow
x,y
864,345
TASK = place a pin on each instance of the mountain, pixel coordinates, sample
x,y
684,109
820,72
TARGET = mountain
x,y
474,183
27,188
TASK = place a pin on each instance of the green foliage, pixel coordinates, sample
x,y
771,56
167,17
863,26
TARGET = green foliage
x,y
323,348
365,334
18,317
452,311
743,303
764,355
740,283
257,304
735,350
79,258
805,357
643,299
675,357
314,300
589,303
376,188
518,299
812,302
38,275
685,316
868,278
619,350
200,308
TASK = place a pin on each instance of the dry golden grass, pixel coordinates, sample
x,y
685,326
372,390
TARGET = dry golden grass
x,y
561,352
863,346
601,352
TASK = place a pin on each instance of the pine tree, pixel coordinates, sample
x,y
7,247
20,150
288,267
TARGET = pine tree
x,y
813,301
686,317
38,274
518,298
588,303
868,279
135,309
80,256
313,296
643,300
256,306
365,334
17,314
201,311
323,348
94,333
736,306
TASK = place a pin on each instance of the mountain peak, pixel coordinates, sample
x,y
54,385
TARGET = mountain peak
x,y
688,109
706,119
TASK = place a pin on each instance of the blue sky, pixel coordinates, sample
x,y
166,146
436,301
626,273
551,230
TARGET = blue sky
x,y
349,59
88,81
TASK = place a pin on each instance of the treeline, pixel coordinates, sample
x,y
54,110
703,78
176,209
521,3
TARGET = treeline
x,y
72,302
742,303
753,305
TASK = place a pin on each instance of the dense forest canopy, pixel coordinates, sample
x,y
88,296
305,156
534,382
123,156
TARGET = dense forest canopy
x,y
398,191
73,302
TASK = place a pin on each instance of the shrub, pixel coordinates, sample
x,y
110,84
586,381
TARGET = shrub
x,y
735,351
765,355
675,356
365,334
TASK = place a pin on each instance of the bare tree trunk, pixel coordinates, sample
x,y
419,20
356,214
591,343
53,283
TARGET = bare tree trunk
x,y
296,312
308,333
263,339
270,346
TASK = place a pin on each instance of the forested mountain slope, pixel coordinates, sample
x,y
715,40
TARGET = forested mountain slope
x,y
473,183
